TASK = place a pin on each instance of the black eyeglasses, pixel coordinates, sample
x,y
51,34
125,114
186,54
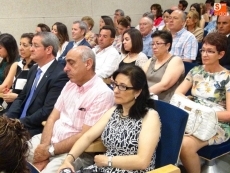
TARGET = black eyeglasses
x,y
156,44
208,52
120,87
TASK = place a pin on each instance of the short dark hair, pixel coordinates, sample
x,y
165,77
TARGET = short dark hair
x,y
184,3
169,11
62,32
112,30
218,40
136,40
158,8
124,22
108,20
164,35
210,2
44,27
30,36
139,82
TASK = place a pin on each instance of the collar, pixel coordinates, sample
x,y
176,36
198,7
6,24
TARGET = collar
x,y
46,66
147,36
103,50
180,32
86,86
76,43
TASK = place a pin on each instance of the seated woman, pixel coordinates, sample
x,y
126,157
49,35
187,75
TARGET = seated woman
x,y
166,15
196,7
210,85
90,36
19,70
163,78
106,20
14,146
60,30
157,13
130,131
192,25
122,25
131,48
203,12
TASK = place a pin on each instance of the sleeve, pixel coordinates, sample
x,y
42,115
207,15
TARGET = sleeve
x,y
189,76
141,60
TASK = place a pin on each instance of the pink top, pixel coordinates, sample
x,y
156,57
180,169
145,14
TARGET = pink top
x,y
79,106
157,21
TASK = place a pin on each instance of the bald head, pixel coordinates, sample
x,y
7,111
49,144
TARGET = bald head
x,y
145,25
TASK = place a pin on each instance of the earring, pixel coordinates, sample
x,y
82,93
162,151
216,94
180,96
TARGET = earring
x,y
135,97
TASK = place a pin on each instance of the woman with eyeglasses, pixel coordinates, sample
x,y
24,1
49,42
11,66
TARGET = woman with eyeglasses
x,y
17,75
164,71
210,86
124,128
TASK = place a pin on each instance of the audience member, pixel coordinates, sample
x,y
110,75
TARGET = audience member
x,y
45,82
157,13
123,25
41,27
210,87
182,5
209,7
90,36
107,57
192,25
79,29
146,30
83,100
196,7
184,43
60,30
203,12
124,128
132,46
14,146
223,27
166,15
149,15
174,8
19,70
106,20
118,14
162,77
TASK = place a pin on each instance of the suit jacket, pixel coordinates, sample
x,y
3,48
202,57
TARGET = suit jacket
x,y
225,60
69,46
43,100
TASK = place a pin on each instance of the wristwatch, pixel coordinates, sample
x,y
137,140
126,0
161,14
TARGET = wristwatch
x,y
51,150
110,161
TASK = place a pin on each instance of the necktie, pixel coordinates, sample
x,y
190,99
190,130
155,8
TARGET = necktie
x,y
34,86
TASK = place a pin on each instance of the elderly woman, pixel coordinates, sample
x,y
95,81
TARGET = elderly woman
x,y
124,128
210,86
131,48
192,25
14,146
162,77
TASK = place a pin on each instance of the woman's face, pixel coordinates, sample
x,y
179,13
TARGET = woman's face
x,y
166,17
126,97
159,46
3,52
121,29
210,55
54,30
24,48
102,23
192,8
127,42
154,11
190,21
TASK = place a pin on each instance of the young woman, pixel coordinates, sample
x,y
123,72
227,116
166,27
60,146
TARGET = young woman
x,y
166,15
196,7
157,13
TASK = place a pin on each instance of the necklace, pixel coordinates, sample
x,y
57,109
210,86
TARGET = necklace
x,y
124,116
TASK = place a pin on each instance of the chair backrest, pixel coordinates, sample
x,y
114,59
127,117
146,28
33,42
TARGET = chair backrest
x,y
173,122
32,168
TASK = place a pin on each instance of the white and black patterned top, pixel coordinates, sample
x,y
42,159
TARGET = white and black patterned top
x,y
120,137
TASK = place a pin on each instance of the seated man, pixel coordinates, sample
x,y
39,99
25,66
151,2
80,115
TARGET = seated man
x,y
79,30
82,102
45,82
107,57
184,43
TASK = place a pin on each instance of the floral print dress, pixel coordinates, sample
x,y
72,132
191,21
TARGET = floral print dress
x,y
210,89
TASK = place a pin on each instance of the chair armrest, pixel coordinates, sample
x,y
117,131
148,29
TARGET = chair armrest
x,y
43,123
96,147
166,169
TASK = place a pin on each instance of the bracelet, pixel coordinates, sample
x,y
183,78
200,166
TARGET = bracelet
x,y
110,161
72,156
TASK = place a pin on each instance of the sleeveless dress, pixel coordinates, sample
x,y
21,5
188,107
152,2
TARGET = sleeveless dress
x,y
120,137
155,75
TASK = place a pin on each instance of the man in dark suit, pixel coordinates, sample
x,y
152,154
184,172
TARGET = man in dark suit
x,y
79,30
223,27
45,82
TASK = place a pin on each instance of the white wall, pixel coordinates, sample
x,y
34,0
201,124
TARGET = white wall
x,y
20,16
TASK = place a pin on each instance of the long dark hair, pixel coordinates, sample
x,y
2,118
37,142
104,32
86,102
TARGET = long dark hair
x,y
10,44
62,32
139,82
14,146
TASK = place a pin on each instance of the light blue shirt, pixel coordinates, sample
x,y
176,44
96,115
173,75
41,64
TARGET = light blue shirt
x,y
147,47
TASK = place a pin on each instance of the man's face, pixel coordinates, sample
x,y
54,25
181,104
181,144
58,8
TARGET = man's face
x,y
117,16
77,33
38,51
145,26
223,25
176,22
104,39
180,7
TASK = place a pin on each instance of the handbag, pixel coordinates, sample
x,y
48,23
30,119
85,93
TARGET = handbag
x,y
202,121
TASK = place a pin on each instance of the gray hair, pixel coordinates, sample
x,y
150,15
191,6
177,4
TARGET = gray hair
x,y
150,21
82,25
87,53
49,39
149,15
120,11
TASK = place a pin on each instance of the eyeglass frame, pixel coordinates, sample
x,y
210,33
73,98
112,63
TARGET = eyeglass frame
x,y
157,44
208,52
114,85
